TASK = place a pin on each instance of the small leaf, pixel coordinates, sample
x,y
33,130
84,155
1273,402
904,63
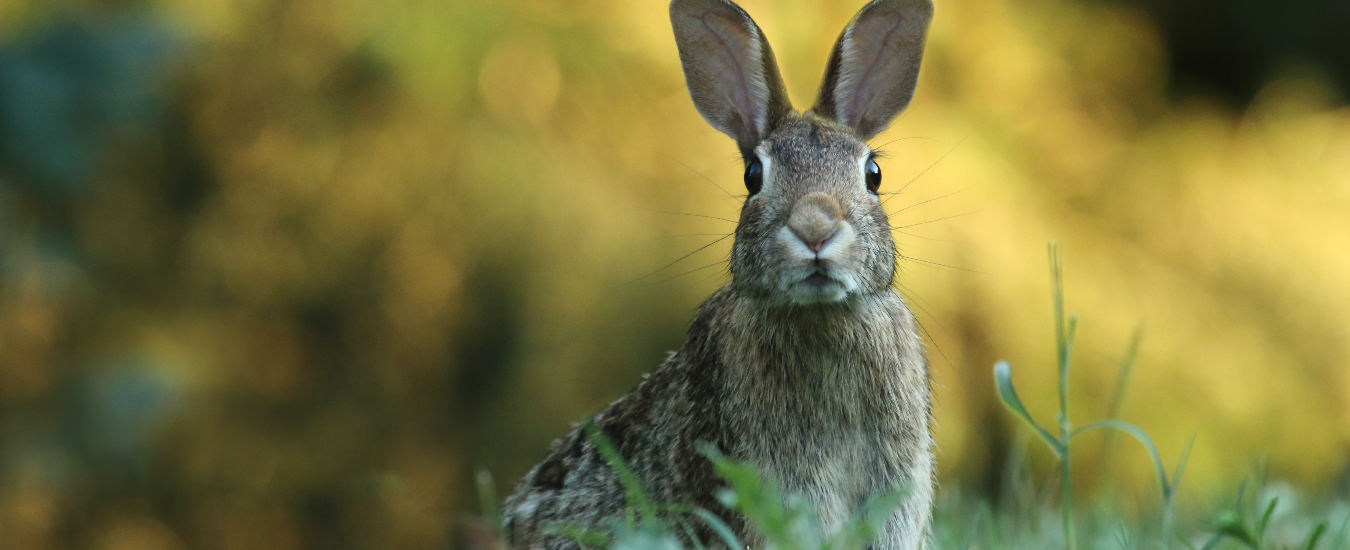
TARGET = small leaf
x,y
1181,467
1123,374
636,495
1265,517
1138,434
863,527
1184,541
487,499
1006,393
1314,536
1231,525
719,527
584,537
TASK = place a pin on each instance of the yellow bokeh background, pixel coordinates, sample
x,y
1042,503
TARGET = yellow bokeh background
x,y
434,234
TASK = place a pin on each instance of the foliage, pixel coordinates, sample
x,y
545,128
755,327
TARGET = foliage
x,y
1064,336
787,521
284,273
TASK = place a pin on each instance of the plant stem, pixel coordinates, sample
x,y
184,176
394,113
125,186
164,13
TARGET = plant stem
x,y
1066,508
1064,344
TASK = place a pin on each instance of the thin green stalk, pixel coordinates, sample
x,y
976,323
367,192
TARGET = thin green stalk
x,y
1061,336
1064,333
1065,329
1114,405
487,500
1066,508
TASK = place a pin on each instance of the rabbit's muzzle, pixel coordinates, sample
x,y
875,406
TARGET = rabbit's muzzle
x,y
817,242
815,220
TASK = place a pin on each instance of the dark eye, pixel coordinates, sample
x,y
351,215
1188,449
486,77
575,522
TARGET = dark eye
x,y
873,173
754,176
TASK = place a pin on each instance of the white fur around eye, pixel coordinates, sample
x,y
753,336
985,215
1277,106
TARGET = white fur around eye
x,y
766,166
862,172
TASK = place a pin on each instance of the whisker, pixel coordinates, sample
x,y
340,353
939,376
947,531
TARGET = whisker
x,y
933,220
674,235
925,237
923,202
929,335
901,139
924,171
909,293
695,270
939,264
924,306
681,258
703,177
728,220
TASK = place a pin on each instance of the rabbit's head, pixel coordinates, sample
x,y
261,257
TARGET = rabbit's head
x,y
812,229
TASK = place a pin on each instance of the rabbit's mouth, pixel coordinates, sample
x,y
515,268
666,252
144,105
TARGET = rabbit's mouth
x,y
818,279
817,287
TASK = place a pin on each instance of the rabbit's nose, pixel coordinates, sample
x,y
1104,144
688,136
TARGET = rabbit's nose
x,y
815,219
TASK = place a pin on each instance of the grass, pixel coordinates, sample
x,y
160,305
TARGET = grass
x,y
1027,516
1059,445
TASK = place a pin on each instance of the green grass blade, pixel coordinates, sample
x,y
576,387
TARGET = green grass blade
x,y
1070,330
583,536
863,527
1212,542
1314,536
759,500
974,528
1342,534
1138,434
1184,542
691,536
1181,467
632,487
1061,338
1230,524
1170,494
487,500
1117,402
1007,394
676,513
1123,539
1265,518
1123,375
720,528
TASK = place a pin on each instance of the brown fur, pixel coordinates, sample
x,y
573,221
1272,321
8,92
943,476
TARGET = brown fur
x,y
807,365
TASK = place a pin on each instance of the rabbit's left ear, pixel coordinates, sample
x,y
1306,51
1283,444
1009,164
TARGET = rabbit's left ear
x,y
875,65
730,69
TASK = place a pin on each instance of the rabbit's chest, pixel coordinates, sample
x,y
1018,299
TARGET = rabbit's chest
x,y
834,467
832,437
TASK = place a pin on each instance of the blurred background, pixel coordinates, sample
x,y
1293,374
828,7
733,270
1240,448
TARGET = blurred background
x,y
285,274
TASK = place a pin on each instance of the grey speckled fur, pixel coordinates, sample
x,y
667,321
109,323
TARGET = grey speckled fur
x,y
807,365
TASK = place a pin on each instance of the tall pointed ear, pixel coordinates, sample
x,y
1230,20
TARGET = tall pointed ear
x,y
875,65
730,69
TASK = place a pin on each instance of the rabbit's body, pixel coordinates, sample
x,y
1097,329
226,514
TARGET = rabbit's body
x,y
807,365
819,400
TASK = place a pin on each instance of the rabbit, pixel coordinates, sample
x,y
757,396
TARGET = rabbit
x,y
807,364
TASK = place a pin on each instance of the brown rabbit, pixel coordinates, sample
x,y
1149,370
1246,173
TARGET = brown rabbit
x,y
807,364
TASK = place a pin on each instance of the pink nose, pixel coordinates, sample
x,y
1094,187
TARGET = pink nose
x,y
815,219
816,245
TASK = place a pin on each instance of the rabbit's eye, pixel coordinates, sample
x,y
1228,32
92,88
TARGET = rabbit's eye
x,y
754,176
873,176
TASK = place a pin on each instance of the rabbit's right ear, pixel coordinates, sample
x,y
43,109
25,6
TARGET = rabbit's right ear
x,y
730,69
875,65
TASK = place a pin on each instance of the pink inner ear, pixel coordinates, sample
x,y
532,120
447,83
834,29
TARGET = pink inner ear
x,y
733,68
860,82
